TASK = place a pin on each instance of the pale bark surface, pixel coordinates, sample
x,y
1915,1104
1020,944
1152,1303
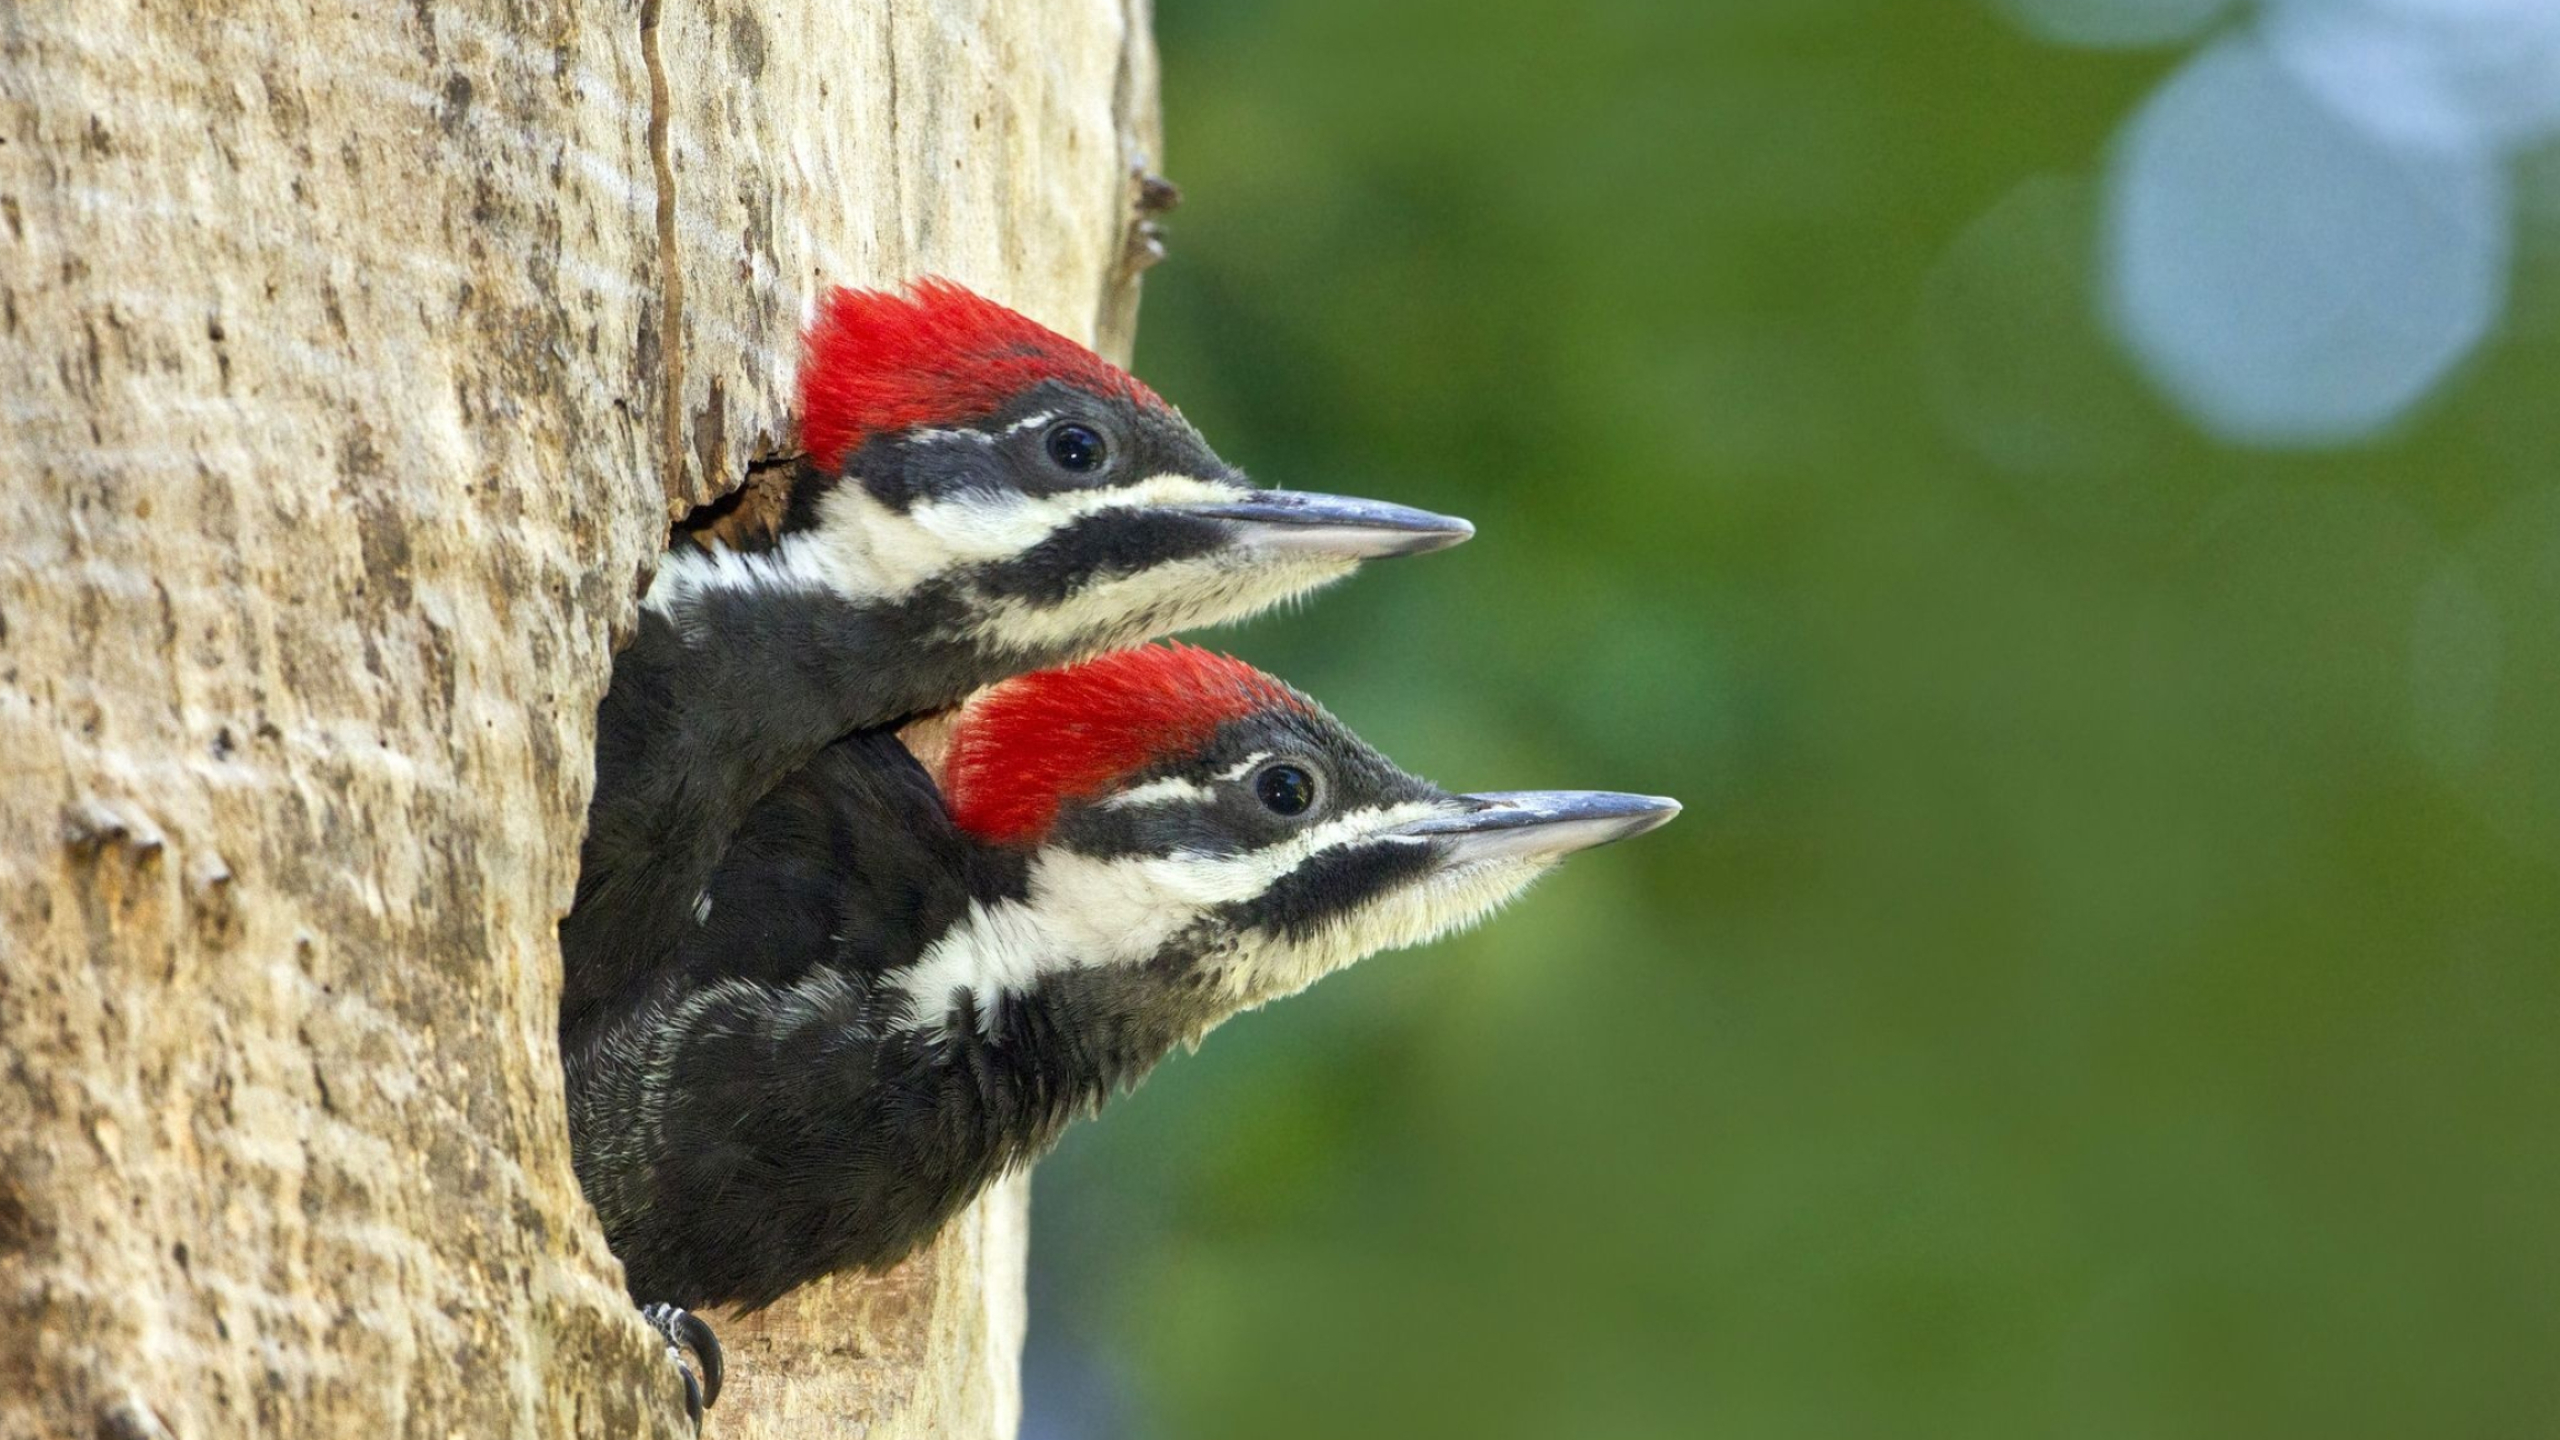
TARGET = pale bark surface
x,y
353,358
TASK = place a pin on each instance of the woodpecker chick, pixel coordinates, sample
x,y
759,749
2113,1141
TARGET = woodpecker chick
x,y
900,993
982,497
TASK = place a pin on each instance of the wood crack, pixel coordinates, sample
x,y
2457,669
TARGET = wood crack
x,y
670,270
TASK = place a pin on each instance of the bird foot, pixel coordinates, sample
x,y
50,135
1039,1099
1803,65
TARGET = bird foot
x,y
693,1348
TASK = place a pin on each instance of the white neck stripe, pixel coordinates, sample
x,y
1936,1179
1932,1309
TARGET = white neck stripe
x,y
1085,913
866,551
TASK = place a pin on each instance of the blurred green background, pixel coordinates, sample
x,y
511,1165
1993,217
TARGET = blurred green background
x,y
2104,983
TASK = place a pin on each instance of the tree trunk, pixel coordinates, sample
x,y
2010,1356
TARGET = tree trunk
x,y
354,360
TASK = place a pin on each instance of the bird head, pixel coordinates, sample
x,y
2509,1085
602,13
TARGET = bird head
x,y
1047,502
1199,838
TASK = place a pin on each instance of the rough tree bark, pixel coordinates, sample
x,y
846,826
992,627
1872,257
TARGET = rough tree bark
x,y
354,359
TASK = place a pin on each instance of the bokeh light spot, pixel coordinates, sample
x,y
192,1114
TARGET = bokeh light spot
x,y
2290,277
2457,73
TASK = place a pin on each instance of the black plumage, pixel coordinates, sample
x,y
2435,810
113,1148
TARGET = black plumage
x,y
983,498
729,688
775,1111
792,1100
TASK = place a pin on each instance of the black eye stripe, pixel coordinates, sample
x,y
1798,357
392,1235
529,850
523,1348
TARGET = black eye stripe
x,y
1328,885
1118,540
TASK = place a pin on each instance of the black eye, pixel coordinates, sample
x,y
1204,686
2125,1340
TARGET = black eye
x,y
1285,790
1076,448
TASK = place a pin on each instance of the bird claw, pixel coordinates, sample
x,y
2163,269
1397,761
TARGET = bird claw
x,y
688,1334
692,1392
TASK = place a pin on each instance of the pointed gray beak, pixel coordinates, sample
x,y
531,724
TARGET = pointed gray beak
x,y
1523,824
1299,522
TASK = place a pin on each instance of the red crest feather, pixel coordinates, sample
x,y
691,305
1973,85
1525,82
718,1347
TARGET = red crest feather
x,y
1037,740
875,362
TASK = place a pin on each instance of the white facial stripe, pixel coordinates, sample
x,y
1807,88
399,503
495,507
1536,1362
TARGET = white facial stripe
x,y
1226,879
869,550
1244,767
687,572
866,551
1171,790
1266,968
1126,609
1084,912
